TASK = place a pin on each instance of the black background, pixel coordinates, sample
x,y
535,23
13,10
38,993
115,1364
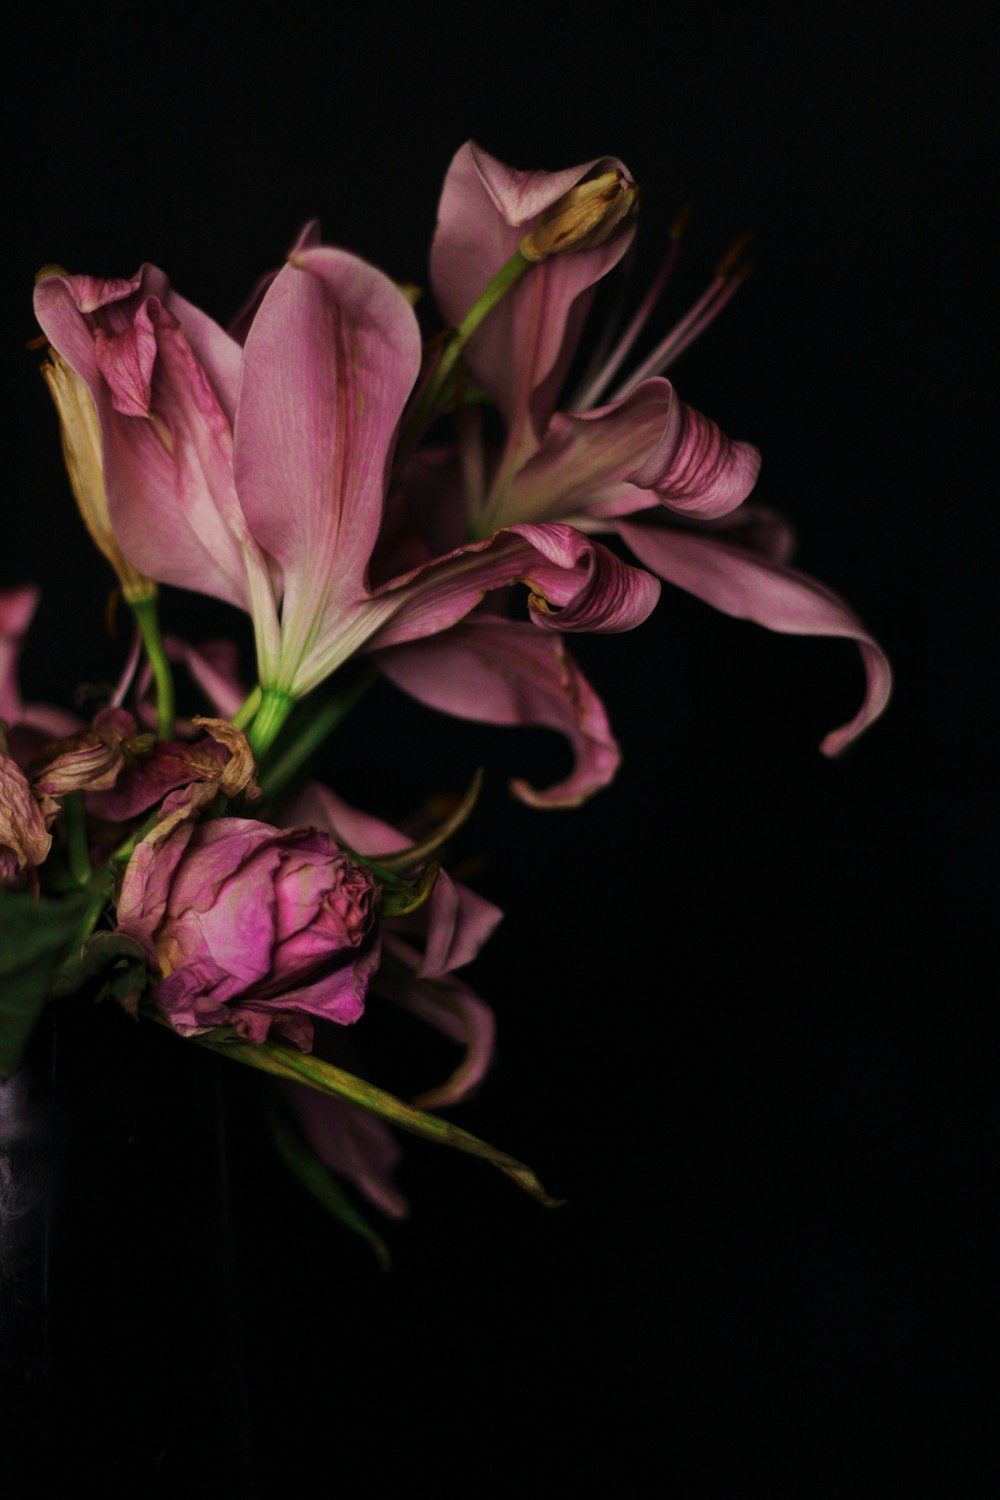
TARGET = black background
x,y
741,1027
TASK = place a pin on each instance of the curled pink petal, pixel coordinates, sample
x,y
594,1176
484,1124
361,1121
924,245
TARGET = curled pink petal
x,y
750,586
589,586
453,1009
648,447
498,672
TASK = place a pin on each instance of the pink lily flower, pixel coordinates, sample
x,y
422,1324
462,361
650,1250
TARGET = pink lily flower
x,y
643,451
258,475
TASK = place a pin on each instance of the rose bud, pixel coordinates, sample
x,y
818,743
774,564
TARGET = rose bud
x,y
251,926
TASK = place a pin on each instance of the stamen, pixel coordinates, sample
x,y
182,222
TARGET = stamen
x,y
728,278
591,393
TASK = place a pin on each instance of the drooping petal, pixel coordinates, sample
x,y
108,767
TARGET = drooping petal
x,y
451,1008
329,361
353,1143
500,672
752,586
522,351
458,923
647,448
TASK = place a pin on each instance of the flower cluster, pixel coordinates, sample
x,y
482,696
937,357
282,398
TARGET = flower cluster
x,y
321,467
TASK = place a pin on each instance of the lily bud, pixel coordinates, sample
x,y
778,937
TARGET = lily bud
x,y
583,218
81,444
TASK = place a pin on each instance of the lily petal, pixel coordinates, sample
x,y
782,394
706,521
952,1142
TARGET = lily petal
x,y
751,586
522,352
330,359
499,672
166,432
647,448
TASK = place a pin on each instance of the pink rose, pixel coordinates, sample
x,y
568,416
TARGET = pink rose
x,y
251,926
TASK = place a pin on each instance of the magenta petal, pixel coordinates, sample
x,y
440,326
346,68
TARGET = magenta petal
x,y
753,587
352,1143
329,361
497,672
453,1009
522,351
458,922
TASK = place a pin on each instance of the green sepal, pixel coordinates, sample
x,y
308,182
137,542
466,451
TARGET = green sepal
x,y
319,1181
399,900
34,935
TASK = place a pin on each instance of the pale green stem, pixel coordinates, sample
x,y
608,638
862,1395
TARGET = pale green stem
x,y
427,405
77,845
323,722
244,715
275,707
89,920
149,628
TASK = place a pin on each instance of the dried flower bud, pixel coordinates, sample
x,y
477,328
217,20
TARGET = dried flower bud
x,y
24,839
81,445
583,218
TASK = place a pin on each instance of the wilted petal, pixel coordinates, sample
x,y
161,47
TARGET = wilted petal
x,y
521,353
330,359
147,778
499,672
24,839
647,448
165,416
453,1009
353,1143
457,924
751,586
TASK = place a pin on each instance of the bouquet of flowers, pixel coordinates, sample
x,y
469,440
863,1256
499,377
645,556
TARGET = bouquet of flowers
x,y
378,502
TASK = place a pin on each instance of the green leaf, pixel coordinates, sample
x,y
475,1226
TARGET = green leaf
x,y
315,1177
35,933
285,1062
